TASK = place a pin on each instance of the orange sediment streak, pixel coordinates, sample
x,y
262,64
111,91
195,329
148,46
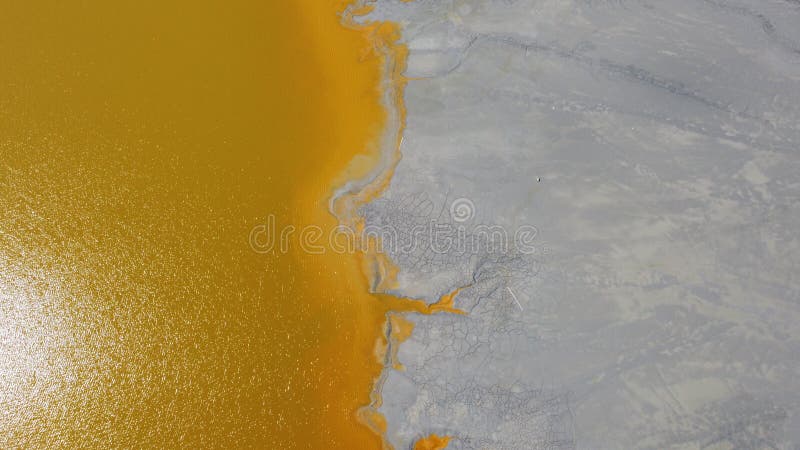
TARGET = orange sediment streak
x,y
386,349
447,303
432,442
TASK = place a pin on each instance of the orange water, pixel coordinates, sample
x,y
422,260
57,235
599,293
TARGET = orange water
x,y
140,142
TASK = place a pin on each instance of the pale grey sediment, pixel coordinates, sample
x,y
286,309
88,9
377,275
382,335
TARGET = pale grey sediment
x,y
656,148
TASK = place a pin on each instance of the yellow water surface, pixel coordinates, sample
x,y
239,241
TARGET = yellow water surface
x,y
140,143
